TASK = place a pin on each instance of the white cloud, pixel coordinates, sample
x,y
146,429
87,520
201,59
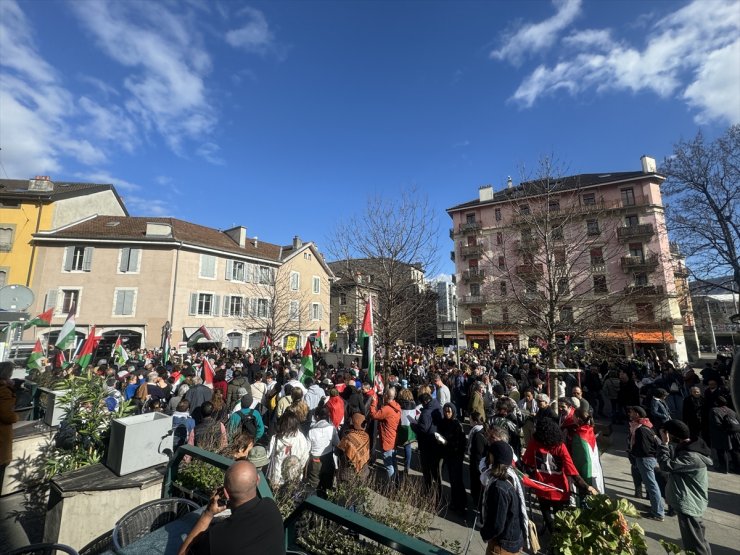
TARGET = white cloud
x,y
691,54
133,194
107,178
109,124
252,36
209,152
535,37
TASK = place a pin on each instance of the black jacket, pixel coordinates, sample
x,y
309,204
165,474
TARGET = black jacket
x,y
426,426
645,443
502,516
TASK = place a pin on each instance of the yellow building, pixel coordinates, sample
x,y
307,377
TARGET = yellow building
x,y
33,205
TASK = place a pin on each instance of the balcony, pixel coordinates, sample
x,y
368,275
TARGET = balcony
x,y
681,271
471,250
452,255
528,244
643,290
639,263
473,275
628,233
452,233
529,270
470,226
598,267
471,299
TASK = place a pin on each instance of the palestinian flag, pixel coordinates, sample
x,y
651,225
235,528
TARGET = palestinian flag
x,y
207,372
34,361
266,348
200,333
319,341
60,361
43,320
119,354
84,357
67,337
307,361
585,454
166,348
366,340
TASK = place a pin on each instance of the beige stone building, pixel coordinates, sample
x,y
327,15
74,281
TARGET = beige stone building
x,y
128,276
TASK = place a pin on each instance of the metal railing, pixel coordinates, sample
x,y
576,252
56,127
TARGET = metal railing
x,y
471,250
643,290
471,299
470,226
631,231
647,263
364,526
473,274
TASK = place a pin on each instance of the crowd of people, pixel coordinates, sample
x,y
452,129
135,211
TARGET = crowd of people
x,y
515,424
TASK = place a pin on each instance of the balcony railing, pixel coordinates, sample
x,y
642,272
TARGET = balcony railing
x,y
526,244
643,290
452,255
598,267
471,250
473,274
452,233
471,299
469,226
639,263
529,269
633,231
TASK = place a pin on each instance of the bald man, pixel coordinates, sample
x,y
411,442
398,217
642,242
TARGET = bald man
x,y
255,524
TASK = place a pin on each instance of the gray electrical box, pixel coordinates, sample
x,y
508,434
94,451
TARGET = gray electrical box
x,y
54,410
139,442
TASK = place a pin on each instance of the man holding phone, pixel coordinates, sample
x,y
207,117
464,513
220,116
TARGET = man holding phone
x,y
255,524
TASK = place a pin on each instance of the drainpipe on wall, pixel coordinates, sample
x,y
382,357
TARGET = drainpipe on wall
x,y
33,246
174,287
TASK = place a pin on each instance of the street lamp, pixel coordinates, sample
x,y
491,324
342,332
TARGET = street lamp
x,y
711,325
457,331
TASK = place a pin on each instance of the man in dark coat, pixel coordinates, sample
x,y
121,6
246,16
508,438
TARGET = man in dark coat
x,y
429,448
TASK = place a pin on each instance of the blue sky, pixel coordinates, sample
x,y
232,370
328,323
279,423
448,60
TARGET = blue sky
x,y
284,116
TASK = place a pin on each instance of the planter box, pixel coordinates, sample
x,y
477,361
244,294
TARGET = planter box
x,y
138,442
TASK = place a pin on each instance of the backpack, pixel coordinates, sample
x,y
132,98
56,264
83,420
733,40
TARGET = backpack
x,y
248,422
730,423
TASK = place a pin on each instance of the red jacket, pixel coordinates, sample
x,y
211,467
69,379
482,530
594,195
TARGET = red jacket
x,y
335,406
389,417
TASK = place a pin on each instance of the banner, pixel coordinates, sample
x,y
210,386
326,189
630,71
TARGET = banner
x,y
439,351
291,342
534,351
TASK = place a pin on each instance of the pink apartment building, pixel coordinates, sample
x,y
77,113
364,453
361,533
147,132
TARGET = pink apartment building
x,y
590,250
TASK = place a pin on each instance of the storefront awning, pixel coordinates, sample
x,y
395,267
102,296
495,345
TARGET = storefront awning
x,y
637,337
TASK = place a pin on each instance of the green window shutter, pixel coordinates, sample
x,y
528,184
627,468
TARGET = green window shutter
x,y
87,259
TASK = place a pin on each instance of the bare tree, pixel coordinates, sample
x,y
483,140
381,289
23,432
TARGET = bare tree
x,y
548,271
392,244
703,183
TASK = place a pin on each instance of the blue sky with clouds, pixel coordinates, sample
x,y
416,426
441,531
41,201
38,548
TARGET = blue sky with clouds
x,y
284,116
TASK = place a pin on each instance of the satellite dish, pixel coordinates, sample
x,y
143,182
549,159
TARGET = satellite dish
x,y
15,297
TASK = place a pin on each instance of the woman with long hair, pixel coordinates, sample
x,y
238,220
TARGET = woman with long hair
x,y
453,453
477,444
406,436
220,410
288,451
549,463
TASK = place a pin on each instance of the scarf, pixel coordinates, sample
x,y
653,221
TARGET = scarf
x,y
522,503
356,447
633,428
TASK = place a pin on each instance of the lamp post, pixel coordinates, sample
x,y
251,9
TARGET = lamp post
x,y
711,325
457,331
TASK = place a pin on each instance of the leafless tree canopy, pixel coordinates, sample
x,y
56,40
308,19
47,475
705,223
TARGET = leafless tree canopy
x,y
392,243
703,184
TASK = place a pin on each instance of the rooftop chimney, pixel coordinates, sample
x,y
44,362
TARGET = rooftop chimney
x,y
40,183
238,234
297,243
156,229
648,164
509,184
255,241
485,192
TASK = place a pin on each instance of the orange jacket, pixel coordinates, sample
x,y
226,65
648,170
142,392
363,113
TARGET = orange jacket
x,y
389,417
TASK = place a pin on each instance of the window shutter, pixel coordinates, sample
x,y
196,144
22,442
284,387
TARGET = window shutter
x,y
229,271
321,312
216,305
269,308
134,258
249,278
227,300
193,304
69,254
87,259
51,299
120,298
125,253
128,303
253,307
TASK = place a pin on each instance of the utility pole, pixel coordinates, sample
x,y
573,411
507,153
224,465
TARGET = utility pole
x,y
711,325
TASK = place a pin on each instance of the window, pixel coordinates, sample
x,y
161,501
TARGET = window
x,y
603,313
342,298
563,286
501,263
265,275
631,220
524,209
316,285
236,270
641,279
207,266
566,315
499,238
505,315
476,315
636,251
559,257
600,284
205,304
645,312
597,256
316,311
470,218
235,306
78,259
592,227
497,214
553,206
70,298
589,199
129,263
293,314
306,255
263,308
295,281
123,302
628,197
6,239
475,289
3,277
557,233
503,288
